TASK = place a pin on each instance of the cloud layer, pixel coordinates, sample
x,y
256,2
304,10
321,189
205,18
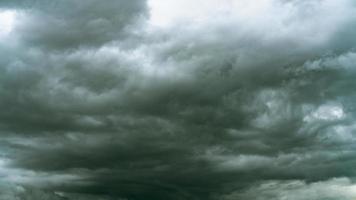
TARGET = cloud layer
x,y
170,99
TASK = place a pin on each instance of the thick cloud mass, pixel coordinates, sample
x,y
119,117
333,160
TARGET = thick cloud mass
x,y
174,99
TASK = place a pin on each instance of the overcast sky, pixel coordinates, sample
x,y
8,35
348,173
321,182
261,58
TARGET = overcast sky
x,y
177,99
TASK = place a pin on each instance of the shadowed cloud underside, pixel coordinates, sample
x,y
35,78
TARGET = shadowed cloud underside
x,y
174,99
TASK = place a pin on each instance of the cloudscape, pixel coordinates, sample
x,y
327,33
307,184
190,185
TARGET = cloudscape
x,y
177,100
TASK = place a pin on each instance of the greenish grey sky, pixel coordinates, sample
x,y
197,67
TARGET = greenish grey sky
x,y
177,99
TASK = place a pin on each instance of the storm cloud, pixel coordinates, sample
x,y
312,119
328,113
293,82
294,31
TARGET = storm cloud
x,y
174,99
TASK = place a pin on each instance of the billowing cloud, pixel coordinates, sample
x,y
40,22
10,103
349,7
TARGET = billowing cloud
x,y
170,99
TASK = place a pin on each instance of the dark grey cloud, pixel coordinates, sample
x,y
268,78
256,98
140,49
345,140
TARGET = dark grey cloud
x,y
69,24
100,101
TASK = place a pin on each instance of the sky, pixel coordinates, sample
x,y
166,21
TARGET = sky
x,y
177,99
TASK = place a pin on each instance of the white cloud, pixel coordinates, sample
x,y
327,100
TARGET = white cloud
x,y
327,112
7,20
340,188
